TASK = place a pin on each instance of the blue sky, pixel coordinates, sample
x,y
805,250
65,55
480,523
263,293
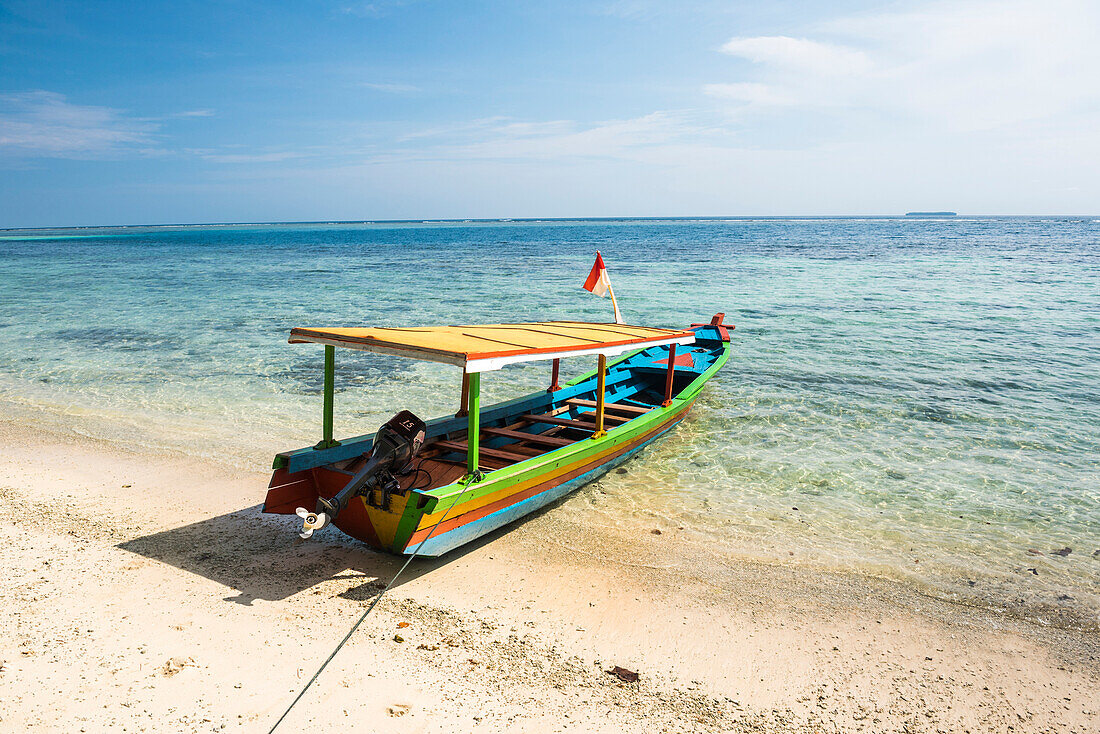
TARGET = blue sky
x,y
180,111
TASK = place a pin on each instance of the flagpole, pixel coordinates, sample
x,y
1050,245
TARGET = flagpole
x,y
611,292
599,283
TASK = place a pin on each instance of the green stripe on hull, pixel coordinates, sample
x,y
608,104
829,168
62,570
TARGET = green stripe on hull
x,y
547,482
549,465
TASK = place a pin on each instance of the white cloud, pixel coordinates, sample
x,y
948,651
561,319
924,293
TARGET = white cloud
x,y
442,131
387,87
799,54
750,92
274,157
43,124
375,9
563,139
962,66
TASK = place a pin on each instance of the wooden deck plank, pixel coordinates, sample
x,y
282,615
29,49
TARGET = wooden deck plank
x,y
463,447
529,437
621,407
608,418
441,473
556,421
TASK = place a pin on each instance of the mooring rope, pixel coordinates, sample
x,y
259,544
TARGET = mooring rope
x,y
469,481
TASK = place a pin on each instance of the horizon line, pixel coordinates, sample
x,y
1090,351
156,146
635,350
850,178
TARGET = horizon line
x,y
485,220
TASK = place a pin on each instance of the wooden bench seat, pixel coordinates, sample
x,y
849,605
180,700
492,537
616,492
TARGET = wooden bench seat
x,y
608,418
620,407
463,447
583,421
556,421
528,437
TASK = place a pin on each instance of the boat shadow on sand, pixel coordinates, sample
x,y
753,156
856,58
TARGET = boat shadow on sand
x,y
260,556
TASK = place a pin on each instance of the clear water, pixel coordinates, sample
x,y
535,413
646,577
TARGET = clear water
x,y
926,393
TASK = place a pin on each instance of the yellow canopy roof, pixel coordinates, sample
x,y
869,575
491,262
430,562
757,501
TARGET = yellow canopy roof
x,y
491,346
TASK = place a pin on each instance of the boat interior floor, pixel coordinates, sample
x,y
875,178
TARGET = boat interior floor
x,y
442,460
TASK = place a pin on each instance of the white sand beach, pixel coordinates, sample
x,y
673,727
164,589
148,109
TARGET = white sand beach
x,y
147,593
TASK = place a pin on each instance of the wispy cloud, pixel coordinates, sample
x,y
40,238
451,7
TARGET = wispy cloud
x,y
372,9
966,65
44,124
502,139
800,54
458,128
273,157
655,137
390,87
748,92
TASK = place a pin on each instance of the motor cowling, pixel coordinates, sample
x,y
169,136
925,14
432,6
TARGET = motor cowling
x,y
399,440
395,445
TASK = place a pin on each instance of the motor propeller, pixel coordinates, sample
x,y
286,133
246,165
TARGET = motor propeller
x,y
395,445
311,521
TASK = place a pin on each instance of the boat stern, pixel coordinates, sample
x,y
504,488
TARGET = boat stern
x,y
365,518
287,491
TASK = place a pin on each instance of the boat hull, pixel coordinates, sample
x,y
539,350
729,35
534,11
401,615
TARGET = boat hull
x,y
472,528
435,521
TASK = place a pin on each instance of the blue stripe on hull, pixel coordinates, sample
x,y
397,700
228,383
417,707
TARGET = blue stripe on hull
x,y
437,545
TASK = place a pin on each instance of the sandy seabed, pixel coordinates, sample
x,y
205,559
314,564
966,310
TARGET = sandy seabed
x,y
148,593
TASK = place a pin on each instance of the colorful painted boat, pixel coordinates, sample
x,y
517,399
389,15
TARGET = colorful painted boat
x,y
525,454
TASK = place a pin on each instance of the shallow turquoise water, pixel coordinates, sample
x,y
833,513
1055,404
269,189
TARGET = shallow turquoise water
x,y
926,393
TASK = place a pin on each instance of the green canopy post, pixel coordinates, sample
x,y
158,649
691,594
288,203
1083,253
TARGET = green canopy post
x,y
327,440
473,425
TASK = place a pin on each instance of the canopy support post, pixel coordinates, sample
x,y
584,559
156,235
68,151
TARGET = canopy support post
x,y
464,401
473,427
601,388
554,377
668,377
327,440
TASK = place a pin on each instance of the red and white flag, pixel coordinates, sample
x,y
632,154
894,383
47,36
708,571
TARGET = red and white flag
x,y
600,284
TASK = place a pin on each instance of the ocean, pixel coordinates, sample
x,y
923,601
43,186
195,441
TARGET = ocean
x,y
911,398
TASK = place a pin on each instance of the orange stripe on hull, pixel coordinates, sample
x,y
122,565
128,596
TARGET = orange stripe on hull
x,y
569,472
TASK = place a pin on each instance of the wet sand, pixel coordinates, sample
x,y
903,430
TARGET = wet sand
x,y
147,593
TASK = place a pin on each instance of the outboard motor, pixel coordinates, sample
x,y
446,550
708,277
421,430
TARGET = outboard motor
x,y
395,445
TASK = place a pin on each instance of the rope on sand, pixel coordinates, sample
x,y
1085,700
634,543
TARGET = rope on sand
x,y
469,481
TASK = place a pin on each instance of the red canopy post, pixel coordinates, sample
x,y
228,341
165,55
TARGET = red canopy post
x,y
668,377
554,377
464,402
601,390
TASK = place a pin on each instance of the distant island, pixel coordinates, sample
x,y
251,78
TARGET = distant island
x,y
931,214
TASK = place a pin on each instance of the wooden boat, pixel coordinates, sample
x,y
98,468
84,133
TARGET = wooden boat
x,y
483,468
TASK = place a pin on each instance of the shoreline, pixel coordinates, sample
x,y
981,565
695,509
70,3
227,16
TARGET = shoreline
x,y
1008,590
173,604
